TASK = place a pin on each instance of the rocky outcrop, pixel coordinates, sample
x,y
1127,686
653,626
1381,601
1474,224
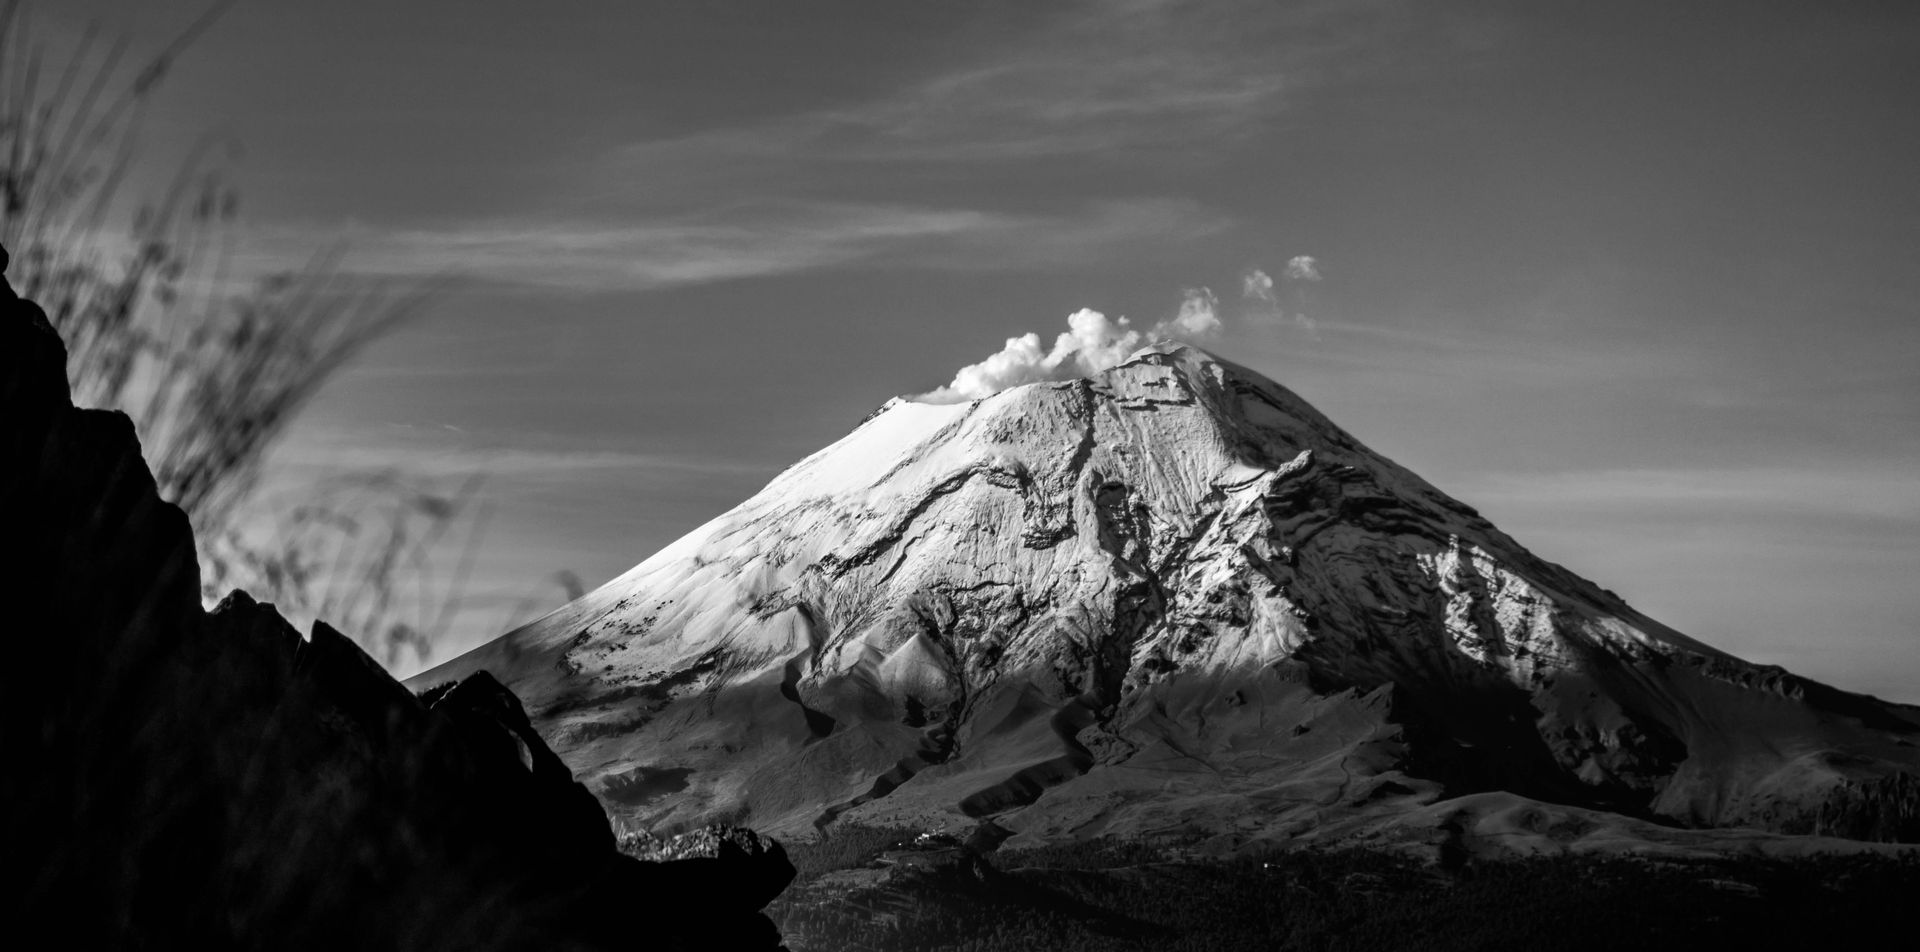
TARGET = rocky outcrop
x,y
1172,596
732,857
182,779
1886,809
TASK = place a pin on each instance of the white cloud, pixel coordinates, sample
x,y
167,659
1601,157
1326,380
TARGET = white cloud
x,y
1258,287
1198,317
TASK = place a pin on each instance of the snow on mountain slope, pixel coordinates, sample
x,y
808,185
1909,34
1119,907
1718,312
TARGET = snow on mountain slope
x,y
1170,596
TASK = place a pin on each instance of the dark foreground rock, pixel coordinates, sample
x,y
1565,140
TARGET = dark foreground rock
x,y
182,779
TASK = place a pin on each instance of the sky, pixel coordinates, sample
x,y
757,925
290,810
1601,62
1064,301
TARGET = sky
x,y
1636,280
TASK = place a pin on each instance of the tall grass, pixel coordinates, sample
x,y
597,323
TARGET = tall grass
x,y
211,366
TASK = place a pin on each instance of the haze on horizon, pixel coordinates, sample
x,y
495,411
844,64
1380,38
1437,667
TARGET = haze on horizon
x,y
1634,280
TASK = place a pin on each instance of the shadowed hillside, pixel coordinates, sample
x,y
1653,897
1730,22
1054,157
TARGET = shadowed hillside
x,y
183,779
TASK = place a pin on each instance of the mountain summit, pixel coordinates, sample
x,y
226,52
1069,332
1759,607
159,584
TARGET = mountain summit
x,y
1172,596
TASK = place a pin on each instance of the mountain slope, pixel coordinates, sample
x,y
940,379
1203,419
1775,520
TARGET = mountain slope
x,y
1170,596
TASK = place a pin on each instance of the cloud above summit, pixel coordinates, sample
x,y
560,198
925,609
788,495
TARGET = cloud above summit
x,y
1277,302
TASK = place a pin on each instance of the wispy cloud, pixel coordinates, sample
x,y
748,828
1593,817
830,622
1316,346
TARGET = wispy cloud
x,y
763,240
1405,361
438,453
1164,83
1264,295
1138,80
1876,494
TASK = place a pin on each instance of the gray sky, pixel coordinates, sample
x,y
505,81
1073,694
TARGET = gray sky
x,y
1637,280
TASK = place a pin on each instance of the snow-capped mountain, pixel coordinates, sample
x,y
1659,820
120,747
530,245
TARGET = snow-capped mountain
x,y
1171,596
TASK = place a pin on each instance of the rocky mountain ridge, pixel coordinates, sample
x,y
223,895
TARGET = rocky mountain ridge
x,y
183,779
1171,596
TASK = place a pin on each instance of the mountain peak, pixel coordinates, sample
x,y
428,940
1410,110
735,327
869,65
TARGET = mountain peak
x,y
1045,605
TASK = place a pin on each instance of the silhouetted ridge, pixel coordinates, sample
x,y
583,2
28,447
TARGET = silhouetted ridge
x,y
180,779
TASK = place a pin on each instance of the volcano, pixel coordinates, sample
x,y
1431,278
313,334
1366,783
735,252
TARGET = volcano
x,y
1169,597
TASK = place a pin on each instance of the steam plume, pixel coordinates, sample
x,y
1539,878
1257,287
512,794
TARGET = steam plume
x,y
1092,343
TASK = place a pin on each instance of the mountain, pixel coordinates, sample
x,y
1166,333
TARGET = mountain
x,y
1173,596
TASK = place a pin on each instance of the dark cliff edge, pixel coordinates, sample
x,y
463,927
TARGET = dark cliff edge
x,y
177,778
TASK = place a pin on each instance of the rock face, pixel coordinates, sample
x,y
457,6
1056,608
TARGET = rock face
x,y
1173,596
180,779
754,866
